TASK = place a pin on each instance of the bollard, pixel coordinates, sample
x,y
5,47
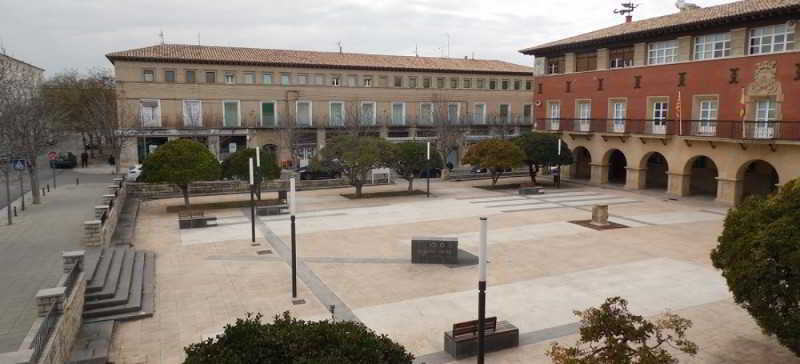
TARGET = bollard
x,y
15,211
48,187
43,194
77,181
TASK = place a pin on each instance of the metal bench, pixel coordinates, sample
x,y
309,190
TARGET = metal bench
x,y
194,219
462,342
271,210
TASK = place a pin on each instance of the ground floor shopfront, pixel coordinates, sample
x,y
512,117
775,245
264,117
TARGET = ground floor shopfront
x,y
726,170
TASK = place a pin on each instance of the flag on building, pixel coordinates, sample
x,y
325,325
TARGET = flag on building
x,y
743,112
680,116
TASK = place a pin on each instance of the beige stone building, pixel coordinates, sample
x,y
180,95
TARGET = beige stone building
x,y
703,101
294,101
14,71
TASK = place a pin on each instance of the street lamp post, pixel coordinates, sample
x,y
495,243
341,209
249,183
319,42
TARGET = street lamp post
x,y
428,174
252,204
258,172
292,210
482,293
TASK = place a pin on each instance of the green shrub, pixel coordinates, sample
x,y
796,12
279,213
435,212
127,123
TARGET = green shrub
x,y
181,162
496,155
236,166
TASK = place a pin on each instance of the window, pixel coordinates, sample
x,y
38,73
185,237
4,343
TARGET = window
x,y
440,82
190,77
230,114
302,79
707,114
148,76
383,81
527,113
352,81
479,114
267,78
412,82
250,77
169,76
269,114
620,57
528,85
453,83
480,83
583,114
426,82
453,113
368,113
660,112
505,113
517,84
319,80
618,115
426,113
492,84
211,77
585,62
555,65
230,78
712,46
467,83
771,38
766,110
554,114
398,81
336,113
398,113
504,84
192,113
303,113
334,80
284,79
367,81
150,113
662,52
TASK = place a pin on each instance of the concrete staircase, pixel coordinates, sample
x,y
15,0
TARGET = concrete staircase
x,y
120,284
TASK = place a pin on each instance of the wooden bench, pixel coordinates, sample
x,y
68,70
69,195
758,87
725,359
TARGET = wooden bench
x,y
194,219
271,210
535,190
462,342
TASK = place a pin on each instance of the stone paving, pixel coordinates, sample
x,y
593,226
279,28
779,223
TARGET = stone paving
x,y
30,249
356,255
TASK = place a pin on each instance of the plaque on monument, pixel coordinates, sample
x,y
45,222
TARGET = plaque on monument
x,y
433,250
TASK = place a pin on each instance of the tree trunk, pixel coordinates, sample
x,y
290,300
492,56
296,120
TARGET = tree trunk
x,y
37,195
495,176
7,175
411,184
358,189
533,175
185,190
117,154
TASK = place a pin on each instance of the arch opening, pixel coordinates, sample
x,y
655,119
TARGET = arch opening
x,y
703,175
656,171
759,178
582,166
617,174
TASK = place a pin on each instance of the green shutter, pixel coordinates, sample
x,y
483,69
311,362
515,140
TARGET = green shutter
x,y
268,114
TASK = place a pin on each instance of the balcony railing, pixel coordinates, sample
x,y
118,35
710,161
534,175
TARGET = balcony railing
x,y
726,129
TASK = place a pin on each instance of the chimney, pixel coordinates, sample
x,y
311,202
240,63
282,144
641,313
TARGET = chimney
x,y
628,18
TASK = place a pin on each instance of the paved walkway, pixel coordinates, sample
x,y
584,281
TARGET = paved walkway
x,y
30,250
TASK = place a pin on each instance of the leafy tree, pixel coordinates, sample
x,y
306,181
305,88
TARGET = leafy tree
x,y
355,156
759,255
542,149
611,334
409,160
289,340
496,155
237,166
181,162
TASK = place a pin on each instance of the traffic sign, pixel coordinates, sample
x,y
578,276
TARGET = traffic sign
x,y
19,164
52,156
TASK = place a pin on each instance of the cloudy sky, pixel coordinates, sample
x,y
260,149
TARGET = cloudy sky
x,y
60,35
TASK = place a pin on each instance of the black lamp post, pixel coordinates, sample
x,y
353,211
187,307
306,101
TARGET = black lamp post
x,y
252,205
292,210
258,173
428,174
482,293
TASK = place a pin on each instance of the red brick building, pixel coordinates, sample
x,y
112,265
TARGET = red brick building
x,y
700,102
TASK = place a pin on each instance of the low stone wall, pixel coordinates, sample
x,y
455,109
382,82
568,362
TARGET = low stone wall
x,y
154,191
98,232
466,174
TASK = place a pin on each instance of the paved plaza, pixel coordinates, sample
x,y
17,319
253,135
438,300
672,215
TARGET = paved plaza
x,y
356,255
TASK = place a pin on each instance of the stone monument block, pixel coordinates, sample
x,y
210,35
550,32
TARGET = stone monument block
x,y
434,250
600,215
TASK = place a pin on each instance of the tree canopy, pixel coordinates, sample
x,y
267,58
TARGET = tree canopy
x,y
181,162
289,340
236,166
759,255
542,149
496,155
355,156
409,160
611,334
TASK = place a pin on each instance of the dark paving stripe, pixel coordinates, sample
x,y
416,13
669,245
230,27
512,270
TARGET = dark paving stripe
x,y
528,203
244,258
286,217
356,260
715,212
502,200
534,209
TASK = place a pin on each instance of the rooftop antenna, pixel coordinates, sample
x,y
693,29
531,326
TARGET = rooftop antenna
x,y
339,43
627,10
161,35
198,38
416,50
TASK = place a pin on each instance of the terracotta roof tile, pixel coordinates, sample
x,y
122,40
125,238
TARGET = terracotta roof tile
x,y
255,56
687,17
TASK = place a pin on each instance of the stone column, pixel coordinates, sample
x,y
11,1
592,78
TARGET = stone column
x,y
569,62
729,190
640,54
92,232
99,210
602,59
599,173
635,178
320,138
678,184
213,145
72,258
46,298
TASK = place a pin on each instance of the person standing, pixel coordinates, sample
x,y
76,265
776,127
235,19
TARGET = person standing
x,y
556,172
84,159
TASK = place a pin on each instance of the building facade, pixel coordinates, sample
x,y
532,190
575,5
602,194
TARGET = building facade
x,y
700,102
294,101
19,73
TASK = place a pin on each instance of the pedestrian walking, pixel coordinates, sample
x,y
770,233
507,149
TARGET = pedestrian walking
x,y
84,159
556,172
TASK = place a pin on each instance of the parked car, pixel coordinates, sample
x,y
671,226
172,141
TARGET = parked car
x,y
134,173
65,160
308,174
478,169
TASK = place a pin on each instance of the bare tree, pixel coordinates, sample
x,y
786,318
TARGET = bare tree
x,y
448,130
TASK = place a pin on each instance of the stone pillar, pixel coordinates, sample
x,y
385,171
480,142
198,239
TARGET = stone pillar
x,y
602,59
99,210
112,189
92,231
599,173
119,181
635,178
678,184
685,48
729,191
384,132
213,145
640,54
72,258
320,138
569,62
108,198
129,155
46,298
600,215
738,42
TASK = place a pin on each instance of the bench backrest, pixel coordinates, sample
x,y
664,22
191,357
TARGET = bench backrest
x,y
470,327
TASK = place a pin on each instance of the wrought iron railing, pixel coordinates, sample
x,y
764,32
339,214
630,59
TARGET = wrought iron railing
x,y
72,279
43,335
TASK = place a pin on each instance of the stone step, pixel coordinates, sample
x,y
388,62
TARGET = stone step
x,y
134,302
101,273
147,296
93,344
120,293
114,273
90,260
